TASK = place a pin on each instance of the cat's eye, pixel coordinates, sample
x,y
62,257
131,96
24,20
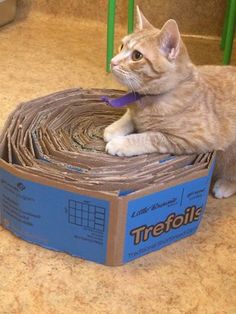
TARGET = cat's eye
x,y
136,55
121,47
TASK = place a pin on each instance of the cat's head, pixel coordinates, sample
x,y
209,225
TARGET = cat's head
x,y
151,61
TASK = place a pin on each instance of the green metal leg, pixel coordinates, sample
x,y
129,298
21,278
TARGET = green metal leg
x,y
222,44
110,32
130,16
230,32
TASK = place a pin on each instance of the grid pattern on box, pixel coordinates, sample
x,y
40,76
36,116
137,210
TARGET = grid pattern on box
x,y
86,215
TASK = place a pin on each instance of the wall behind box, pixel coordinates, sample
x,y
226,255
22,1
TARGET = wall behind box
x,y
104,229
198,17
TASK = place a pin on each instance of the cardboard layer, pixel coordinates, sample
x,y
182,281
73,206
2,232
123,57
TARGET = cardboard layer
x,y
59,189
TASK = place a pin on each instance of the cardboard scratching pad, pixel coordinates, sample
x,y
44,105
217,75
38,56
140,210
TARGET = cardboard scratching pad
x,y
60,189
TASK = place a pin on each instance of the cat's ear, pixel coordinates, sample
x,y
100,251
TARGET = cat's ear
x,y
169,40
142,22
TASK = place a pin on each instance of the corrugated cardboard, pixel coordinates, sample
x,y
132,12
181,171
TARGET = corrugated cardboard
x,y
113,212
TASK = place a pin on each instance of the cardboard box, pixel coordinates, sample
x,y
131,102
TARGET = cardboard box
x,y
106,229
112,211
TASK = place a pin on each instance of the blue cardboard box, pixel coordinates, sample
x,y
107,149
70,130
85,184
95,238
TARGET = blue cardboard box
x,y
96,226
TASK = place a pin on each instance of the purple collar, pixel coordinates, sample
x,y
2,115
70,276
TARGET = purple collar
x,y
122,101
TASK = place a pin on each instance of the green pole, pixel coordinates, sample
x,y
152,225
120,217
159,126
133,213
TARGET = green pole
x,y
130,16
224,33
230,32
110,31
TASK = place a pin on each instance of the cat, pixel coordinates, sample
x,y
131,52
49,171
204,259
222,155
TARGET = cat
x,y
185,109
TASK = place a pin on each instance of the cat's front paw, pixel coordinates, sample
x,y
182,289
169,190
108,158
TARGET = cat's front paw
x,y
224,188
119,146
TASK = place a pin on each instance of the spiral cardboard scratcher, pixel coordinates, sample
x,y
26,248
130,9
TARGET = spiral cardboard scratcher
x,y
54,167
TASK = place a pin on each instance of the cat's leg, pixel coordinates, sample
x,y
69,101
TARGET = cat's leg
x,y
225,173
121,127
141,143
150,142
224,188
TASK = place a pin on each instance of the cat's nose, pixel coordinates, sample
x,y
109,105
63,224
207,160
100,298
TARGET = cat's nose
x,y
113,63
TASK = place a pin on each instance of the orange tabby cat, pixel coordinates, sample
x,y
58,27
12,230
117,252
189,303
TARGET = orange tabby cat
x,y
187,109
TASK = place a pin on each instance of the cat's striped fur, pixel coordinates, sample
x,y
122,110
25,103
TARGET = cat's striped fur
x,y
187,109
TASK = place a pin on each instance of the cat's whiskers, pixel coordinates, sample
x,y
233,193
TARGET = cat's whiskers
x,y
129,80
136,81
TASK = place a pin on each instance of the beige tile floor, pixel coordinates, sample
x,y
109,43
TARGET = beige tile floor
x,y
43,54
